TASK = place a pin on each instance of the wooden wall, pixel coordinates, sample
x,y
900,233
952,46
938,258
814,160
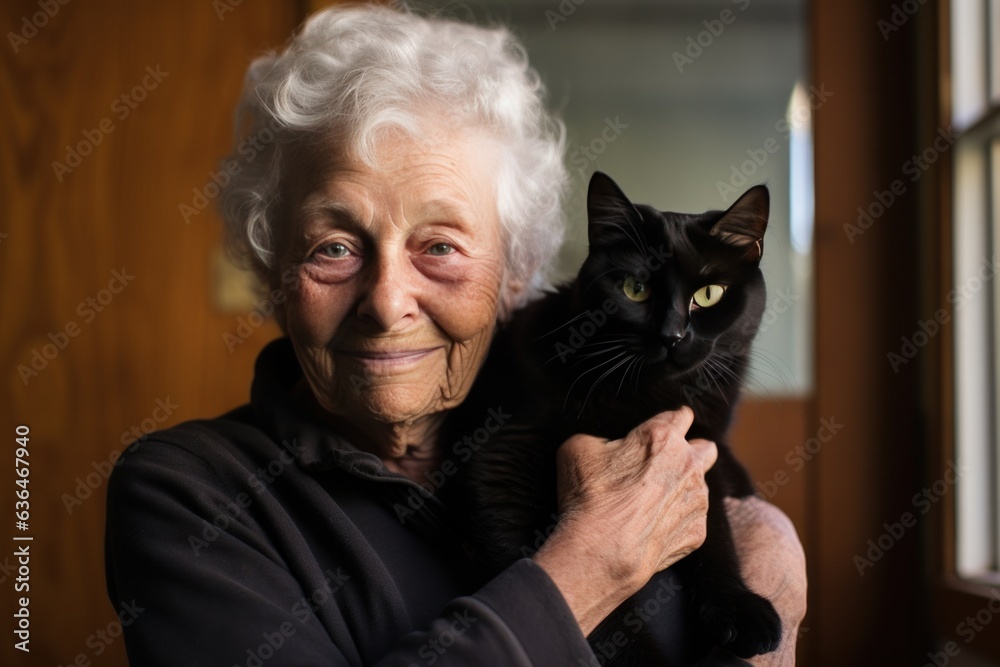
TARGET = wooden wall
x,y
160,338
867,290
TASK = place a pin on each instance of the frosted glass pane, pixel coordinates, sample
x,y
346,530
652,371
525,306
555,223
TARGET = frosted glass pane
x,y
969,69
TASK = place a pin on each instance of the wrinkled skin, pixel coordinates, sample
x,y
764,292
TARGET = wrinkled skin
x,y
399,274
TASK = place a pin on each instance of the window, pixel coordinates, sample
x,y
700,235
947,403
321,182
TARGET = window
x,y
975,121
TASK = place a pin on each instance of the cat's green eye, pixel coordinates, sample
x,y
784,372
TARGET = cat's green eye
x,y
708,296
635,290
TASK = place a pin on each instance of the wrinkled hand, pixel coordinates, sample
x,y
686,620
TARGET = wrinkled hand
x,y
773,564
628,509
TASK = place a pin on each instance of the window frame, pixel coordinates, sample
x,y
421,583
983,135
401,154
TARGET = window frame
x,y
954,598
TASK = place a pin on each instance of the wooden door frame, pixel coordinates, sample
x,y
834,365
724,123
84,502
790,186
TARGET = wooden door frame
x,y
865,301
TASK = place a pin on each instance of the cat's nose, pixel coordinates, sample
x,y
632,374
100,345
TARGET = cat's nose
x,y
673,336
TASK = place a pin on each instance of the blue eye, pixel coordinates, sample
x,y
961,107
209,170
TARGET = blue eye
x,y
441,249
334,250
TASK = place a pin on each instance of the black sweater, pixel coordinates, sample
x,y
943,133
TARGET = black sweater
x,y
262,538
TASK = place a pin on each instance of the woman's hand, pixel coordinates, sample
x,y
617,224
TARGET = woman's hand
x,y
628,509
773,565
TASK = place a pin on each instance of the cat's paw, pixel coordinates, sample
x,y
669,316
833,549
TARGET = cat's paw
x,y
743,622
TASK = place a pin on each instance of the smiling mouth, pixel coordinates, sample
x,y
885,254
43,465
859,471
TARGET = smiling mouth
x,y
388,359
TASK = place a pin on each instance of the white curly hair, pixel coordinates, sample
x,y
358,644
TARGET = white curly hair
x,y
354,72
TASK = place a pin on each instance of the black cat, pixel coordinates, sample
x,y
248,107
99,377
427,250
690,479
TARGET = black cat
x,y
661,314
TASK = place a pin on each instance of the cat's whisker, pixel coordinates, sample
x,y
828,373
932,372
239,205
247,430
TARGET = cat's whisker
x,y
635,358
596,278
606,339
603,344
643,247
600,342
565,324
638,372
614,343
749,383
724,369
760,354
597,354
598,381
569,392
755,394
601,351
631,226
725,372
765,364
579,359
706,369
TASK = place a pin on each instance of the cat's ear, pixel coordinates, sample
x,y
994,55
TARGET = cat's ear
x,y
744,224
609,211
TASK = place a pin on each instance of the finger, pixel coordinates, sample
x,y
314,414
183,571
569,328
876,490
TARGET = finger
x,y
682,416
706,451
581,441
679,420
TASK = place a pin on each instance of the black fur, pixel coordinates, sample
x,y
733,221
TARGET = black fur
x,y
588,359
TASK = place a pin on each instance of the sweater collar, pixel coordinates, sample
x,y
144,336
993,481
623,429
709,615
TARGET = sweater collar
x,y
317,448
313,443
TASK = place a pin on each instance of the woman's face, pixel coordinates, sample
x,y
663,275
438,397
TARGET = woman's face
x,y
399,273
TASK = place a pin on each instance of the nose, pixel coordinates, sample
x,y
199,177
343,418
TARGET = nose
x,y
671,337
389,291
674,328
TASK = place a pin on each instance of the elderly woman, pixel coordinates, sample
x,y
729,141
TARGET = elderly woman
x,y
403,196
